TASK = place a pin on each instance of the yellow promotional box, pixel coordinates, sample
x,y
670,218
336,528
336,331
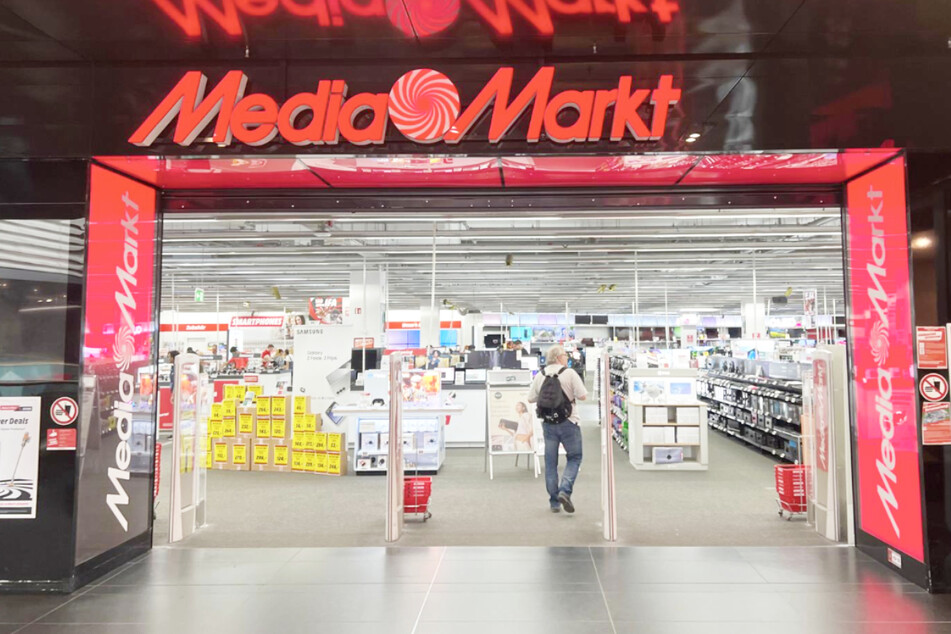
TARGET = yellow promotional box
x,y
280,458
229,429
278,406
209,462
264,406
336,464
220,454
229,392
239,456
301,404
257,390
310,462
216,411
260,456
228,408
216,429
246,423
279,428
336,442
262,428
320,441
305,422
206,444
321,461
240,391
297,460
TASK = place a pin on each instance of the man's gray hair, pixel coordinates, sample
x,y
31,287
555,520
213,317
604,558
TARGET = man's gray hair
x,y
553,353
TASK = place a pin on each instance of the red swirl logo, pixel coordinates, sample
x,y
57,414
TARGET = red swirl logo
x,y
878,343
422,18
124,348
423,105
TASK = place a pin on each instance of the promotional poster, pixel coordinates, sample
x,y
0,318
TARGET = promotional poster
x,y
19,456
511,422
322,363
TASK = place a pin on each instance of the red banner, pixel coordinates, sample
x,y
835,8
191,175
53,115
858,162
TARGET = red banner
x,y
881,336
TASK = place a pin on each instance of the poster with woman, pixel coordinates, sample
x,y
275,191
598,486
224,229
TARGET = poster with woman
x,y
511,422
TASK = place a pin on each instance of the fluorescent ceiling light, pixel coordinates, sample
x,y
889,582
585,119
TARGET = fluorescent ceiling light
x,y
261,237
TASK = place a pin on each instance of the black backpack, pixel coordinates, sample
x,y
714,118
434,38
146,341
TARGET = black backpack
x,y
553,405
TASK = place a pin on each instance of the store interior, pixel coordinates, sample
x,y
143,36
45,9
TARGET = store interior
x,y
709,315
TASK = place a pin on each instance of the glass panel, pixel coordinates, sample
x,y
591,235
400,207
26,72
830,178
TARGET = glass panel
x,y
41,265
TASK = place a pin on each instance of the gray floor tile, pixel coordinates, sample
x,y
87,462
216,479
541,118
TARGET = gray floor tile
x,y
518,571
224,555
303,627
518,553
23,608
540,586
189,572
512,607
9,628
521,627
357,571
771,627
636,605
616,573
370,554
89,628
664,553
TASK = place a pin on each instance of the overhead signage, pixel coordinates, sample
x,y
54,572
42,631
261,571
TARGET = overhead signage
x,y
423,105
19,456
325,310
933,387
881,338
257,322
932,347
199,294
363,343
413,18
193,327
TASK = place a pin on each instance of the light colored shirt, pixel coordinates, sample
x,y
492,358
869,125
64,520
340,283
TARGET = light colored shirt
x,y
571,383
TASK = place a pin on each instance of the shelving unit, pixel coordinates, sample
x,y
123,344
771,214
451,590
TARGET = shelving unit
x,y
682,425
761,411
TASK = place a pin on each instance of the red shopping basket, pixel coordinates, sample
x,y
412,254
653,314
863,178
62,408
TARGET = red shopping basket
x,y
416,492
791,488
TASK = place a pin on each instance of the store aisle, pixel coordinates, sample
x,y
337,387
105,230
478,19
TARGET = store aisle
x,y
500,590
732,504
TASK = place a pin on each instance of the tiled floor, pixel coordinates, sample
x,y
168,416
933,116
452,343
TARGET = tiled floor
x,y
463,590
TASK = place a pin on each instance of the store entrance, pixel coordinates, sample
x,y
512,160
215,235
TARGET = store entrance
x,y
700,301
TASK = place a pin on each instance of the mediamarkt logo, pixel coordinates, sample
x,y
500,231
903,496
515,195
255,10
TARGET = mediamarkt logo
x,y
122,352
879,299
423,105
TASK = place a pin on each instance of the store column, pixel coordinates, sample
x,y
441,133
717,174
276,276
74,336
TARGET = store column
x,y
367,305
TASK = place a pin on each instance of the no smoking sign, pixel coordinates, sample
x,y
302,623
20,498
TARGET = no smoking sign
x,y
933,387
64,411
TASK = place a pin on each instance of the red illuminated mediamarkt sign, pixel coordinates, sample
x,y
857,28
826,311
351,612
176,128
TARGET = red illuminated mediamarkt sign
x,y
423,105
414,18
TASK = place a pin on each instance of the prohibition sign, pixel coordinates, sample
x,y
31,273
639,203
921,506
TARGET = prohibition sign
x,y
64,410
933,387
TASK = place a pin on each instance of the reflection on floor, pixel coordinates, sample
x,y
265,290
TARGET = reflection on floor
x,y
500,590
732,504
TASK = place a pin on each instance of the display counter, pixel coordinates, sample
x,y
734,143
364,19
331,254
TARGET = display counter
x,y
424,436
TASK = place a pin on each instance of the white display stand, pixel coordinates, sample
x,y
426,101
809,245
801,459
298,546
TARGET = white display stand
x,y
675,425
424,437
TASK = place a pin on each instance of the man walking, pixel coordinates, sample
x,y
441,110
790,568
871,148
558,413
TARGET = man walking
x,y
560,423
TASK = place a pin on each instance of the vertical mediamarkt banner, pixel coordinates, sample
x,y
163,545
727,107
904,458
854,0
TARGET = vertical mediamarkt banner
x,y
117,428
881,336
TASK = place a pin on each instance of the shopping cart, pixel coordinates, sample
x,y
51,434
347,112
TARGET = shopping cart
x,y
416,492
791,489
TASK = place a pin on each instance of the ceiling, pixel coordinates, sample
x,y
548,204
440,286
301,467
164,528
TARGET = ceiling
x,y
523,260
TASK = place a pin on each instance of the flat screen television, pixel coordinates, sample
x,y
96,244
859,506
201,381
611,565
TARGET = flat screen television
x,y
492,341
508,360
479,360
373,357
599,320
582,319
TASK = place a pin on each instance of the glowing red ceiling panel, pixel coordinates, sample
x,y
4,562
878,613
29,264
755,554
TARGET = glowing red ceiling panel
x,y
217,173
783,169
638,170
406,171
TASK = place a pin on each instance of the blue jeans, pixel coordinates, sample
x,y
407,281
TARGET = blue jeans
x,y
569,435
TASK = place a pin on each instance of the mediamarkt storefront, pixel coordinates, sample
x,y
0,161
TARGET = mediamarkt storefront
x,y
111,107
